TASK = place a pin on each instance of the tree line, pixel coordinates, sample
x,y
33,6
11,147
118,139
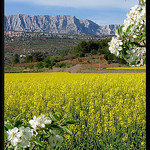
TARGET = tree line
x,y
95,48
41,58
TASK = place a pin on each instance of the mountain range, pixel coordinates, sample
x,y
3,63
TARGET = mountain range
x,y
63,24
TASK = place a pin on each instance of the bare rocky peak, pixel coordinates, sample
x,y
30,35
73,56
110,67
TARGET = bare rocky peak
x,y
56,24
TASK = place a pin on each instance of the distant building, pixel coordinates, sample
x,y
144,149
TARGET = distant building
x,y
21,56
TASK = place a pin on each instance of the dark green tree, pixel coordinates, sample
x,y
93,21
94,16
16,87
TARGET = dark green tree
x,y
15,59
38,56
92,45
29,58
47,62
39,65
54,60
81,49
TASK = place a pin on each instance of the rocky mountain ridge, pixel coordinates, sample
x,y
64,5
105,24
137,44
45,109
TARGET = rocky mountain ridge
x,y
63,24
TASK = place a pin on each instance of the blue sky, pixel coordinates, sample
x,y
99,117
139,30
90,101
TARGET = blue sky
x,y
102,12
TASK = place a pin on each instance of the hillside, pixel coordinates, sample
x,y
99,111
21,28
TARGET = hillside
x,y
23,43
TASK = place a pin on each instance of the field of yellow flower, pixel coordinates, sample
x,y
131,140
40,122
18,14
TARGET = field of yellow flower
x,y
126,68
109,109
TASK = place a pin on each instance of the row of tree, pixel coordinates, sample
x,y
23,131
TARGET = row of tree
x,y
83,48
42,60
33,57
94,48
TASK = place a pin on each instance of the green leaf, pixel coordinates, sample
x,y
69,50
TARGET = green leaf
x,y
66,116
34,132
55,126
52,116
7,126
11,121
37,142
128,29
5,136
130,45
67,129
46,135
120,30
17,117
43,148
18,123
143,38
57,148
27,126
60,117
40,133
9,148
71,122
56,117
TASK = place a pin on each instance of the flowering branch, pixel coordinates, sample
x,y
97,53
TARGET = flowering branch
x,y
139,45
130,40
45,132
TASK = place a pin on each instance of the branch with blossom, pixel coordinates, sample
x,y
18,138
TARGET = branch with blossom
x,y
130,40
41,132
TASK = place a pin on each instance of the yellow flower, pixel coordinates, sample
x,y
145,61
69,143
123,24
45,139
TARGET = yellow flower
x,y
99,103
142,143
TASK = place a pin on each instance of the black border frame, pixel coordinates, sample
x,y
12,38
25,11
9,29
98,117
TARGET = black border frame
x,y
2,74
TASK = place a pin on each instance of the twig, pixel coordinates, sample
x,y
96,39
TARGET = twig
x,y
33,147
139,44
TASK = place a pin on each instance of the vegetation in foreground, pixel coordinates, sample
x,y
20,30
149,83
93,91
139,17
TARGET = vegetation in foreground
x,y
109,109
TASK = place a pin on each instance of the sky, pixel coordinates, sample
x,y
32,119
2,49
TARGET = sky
x,y
102,12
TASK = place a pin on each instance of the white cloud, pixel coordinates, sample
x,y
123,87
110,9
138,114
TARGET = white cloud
x,y
123,4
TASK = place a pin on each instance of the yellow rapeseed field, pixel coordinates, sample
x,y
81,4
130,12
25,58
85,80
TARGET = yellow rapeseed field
x,y
127,68
109,109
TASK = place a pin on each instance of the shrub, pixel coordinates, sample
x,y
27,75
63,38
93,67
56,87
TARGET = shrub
x,y
60,65
93,52
106,56
31,66
109,61
80,60
54,60
15,59
50,67
39,65
47,61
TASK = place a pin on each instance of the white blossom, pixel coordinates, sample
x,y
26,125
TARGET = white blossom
x,y
59,140
12,136
25,143
55,139
40,121
115,46
25,133
34,122
136,19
